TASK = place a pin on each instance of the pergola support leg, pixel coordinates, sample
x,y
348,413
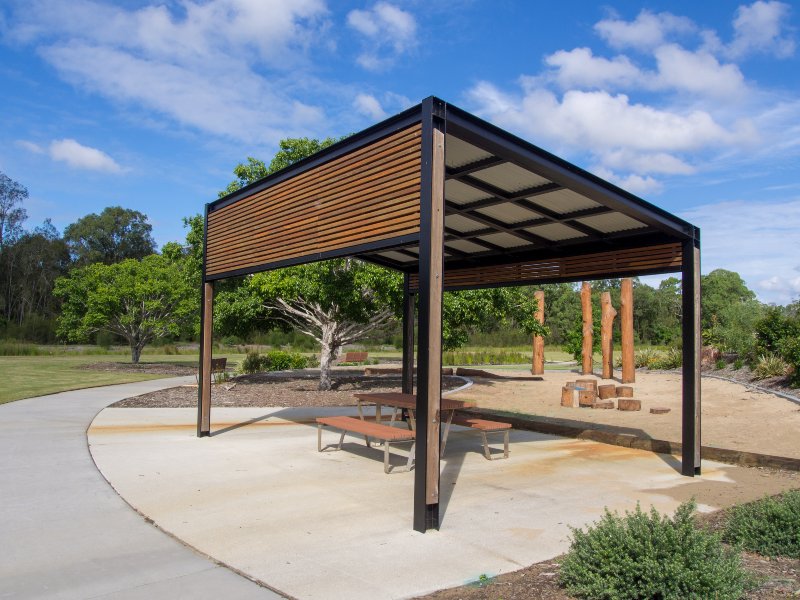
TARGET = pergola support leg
x,y
692,346
431,282
204,388
408,337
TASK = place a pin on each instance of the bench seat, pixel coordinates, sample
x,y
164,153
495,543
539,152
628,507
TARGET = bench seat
x,y
484,426
368,429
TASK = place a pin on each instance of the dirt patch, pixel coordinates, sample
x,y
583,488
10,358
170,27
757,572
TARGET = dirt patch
x,y
143,367
272,389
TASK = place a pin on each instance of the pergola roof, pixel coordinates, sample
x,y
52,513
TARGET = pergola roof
x,y
507,203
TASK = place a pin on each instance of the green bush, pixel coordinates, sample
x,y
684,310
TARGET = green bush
x,y
485,357
14,348
671,359
645,357
720,364
770,365
645,555
276,360
738,364
770,526
790,351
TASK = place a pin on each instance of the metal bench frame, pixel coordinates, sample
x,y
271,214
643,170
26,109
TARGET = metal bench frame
x,y
386,445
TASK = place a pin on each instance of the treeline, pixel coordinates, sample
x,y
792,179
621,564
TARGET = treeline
x,y
32,260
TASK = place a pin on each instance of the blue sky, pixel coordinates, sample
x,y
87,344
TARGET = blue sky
x,y
692,105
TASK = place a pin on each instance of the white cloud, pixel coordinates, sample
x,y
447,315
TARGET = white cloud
x,y
757,240
228,67
368,105
579,67
759,28
78,156
388,31
643,162
636,184
647,31
30,146
697,72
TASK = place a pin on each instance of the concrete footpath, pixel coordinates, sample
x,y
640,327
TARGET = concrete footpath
x,y
67,534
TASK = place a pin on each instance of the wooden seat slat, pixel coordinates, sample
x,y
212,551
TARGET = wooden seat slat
x,y
481,424
367,428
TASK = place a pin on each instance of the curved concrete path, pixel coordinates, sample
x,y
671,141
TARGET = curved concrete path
x,y
66,533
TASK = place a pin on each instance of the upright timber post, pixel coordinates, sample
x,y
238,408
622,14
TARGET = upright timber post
x,y
431,279
538,341
204,389
408,337
588,342
626,329
692,346
607,314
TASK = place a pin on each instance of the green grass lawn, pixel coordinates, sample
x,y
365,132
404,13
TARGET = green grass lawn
x,y
28,376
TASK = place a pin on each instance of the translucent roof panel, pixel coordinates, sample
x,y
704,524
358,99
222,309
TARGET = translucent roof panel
x,y
461,223
611,222
465,246
563,201
508,213
555,232
461,193
505,240
459,153
510,178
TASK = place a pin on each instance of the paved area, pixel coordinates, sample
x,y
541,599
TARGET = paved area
x,y
259,497
66,533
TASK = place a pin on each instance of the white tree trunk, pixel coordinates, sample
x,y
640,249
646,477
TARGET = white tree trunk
x,y
328,353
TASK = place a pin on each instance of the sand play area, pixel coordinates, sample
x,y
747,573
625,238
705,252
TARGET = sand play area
x,y
733,416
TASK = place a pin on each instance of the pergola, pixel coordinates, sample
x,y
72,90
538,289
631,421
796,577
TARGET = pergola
x,y
454,203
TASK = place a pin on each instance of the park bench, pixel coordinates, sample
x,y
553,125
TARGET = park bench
x,y
355,356
218,366
385,433
484,427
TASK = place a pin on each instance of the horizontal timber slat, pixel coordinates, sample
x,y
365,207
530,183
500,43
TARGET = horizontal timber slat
x,y
601,263
366,196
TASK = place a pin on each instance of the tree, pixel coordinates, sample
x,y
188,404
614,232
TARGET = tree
x,y
116,234
336,302
12,215
720,289
291,151
140,300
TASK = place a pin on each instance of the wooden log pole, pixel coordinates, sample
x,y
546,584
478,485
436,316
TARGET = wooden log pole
x,y
538,341
607,315
586,309
626,326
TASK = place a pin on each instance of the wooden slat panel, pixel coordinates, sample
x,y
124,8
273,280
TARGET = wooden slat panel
x,y
365,196
601,263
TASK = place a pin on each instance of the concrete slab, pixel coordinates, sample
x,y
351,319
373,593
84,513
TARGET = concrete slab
x,y
259,497
66,533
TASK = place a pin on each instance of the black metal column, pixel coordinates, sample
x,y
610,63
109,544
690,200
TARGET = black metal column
x,y
203,367
429,354
692,346
408,337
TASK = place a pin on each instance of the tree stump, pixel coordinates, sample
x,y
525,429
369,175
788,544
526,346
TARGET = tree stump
x,y
607,391
624,391
568,397
588,329
659,410
607,404
629,404
570,385
586,398
587,384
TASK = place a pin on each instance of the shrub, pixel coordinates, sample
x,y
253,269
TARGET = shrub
x,y
790,351
720,364
770,365
645,357
671,359
13,348
645,555
738,364
770,526
276,360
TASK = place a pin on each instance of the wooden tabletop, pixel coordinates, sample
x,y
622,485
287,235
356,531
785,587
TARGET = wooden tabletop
x,y
408,400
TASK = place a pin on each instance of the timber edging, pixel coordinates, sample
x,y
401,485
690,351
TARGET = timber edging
x,y
627,440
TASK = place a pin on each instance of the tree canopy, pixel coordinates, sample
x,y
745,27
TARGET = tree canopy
x,y
12,214
112,236
139,300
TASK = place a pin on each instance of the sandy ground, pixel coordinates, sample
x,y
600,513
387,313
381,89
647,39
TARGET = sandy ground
x,y
734,417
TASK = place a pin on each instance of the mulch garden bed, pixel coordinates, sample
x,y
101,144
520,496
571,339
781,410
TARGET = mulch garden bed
x,y
277,389
776,578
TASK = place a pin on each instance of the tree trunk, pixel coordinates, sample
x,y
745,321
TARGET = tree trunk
x,y
328,353
588,342
136,352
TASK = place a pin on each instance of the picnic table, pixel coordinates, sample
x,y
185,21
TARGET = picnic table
x,y
397,400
